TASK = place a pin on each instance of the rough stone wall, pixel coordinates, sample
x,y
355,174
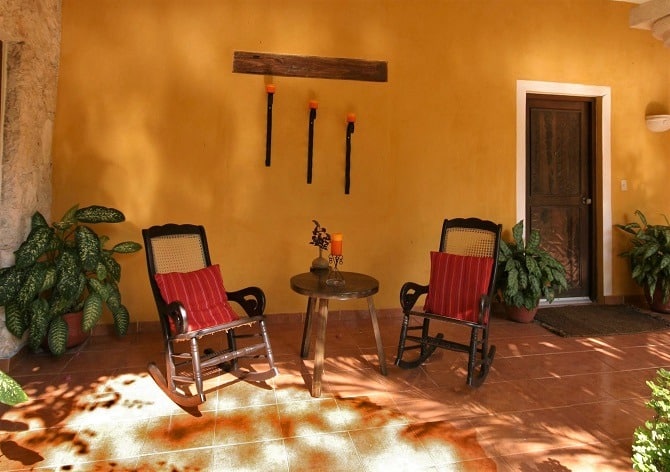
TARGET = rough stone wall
x,y
30,29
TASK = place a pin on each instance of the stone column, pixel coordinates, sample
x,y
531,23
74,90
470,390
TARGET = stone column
x,y
30,30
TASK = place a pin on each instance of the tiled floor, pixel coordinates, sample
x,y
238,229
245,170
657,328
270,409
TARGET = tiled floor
x,y
549,404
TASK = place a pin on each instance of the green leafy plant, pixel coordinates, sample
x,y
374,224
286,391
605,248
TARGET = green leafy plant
x,y
651,442
63,268
649,255
526,272
11,392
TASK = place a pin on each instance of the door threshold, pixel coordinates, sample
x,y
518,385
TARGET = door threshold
x,y
566,301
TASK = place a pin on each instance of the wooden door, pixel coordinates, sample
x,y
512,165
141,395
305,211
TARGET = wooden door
x,y
560,184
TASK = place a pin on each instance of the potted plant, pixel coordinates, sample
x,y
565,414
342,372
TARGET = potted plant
x,y
64,268
649,259
527,273
651,442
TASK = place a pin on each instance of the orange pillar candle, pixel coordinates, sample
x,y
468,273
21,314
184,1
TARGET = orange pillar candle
x,y
336,244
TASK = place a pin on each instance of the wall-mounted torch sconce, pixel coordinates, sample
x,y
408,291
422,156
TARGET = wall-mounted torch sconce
x,y
270,89
313,105
658,123
351,119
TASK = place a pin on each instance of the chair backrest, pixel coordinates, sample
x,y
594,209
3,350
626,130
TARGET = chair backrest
x,y
174,248
472,237
465,270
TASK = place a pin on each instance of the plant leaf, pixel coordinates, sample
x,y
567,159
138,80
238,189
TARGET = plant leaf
x,y
36,244
99,214
121,320
127,247
88,247
39,323
92,311
58,333
11,392
16,319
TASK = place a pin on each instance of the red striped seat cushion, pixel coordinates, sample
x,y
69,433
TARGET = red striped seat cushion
x,y
203,295
457,284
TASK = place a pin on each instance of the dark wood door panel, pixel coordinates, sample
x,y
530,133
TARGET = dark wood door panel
x,y
559,184
561,229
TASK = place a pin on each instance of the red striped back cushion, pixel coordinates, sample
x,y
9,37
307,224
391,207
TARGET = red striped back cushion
x,y
202,293
457,284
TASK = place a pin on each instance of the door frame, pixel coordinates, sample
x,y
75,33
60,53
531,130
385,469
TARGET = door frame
x,y
603,162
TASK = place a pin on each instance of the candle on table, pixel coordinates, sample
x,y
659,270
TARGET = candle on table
x,y
336,244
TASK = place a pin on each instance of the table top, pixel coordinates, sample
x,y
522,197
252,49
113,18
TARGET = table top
x,y
313,284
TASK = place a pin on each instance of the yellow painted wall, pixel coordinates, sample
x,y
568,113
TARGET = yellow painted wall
x,y
151,120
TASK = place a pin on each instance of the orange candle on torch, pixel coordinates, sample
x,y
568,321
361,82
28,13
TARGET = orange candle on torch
x,y
270,88
313,104
336,244
351,117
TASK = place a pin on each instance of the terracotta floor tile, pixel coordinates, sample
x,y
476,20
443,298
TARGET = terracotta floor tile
x,y
177,432
527,431
549,403
308,418
268,456
254,423
327,452
186,460
586,457
395,444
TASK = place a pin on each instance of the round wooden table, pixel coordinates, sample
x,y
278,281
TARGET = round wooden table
x,y
315,286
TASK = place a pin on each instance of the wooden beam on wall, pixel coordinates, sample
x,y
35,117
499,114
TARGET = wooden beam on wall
x,y
309,66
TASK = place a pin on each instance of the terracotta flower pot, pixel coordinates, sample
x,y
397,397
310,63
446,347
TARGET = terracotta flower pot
x,y
75,335
656,302
520,314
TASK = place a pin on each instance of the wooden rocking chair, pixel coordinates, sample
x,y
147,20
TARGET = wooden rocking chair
x,y
193,305
461,287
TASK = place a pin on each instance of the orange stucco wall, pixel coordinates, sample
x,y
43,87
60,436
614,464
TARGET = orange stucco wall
x,y
151,120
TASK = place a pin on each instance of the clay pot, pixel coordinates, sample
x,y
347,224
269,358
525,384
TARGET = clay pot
x,y
75,335
656,302
520,314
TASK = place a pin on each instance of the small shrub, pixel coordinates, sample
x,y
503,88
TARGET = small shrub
x,y
651,445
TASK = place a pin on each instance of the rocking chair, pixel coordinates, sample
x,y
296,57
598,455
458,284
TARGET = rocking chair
x,y
193,307
461,287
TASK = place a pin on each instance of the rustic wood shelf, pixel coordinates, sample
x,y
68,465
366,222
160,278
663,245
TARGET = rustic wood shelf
x,y
309,66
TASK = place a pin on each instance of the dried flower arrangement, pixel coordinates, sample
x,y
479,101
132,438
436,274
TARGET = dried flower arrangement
x,y
320,237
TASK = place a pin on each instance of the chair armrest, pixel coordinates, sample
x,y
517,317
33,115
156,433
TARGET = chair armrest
x,y
410,293
251,299
177,312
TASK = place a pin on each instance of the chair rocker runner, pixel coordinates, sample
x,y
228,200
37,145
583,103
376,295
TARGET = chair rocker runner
x,y
460,291
193,309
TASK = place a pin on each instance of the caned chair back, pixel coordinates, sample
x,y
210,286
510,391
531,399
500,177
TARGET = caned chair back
x,y
174,248
472,237
469,242
178,253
